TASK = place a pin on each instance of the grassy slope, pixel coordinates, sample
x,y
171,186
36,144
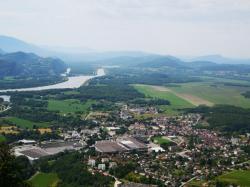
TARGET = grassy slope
x,y
176,102
26,123
238,177
44,180
69,106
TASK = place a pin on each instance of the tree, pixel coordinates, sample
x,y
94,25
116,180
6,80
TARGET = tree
x,y
26,170
9,172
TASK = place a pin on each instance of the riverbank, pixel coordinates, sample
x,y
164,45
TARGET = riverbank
x,y
72,82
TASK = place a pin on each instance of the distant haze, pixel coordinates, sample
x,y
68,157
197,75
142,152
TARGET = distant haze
x,y
176,27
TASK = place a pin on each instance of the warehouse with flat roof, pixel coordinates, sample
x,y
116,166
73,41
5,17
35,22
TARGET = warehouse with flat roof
x,y
121,145
107,146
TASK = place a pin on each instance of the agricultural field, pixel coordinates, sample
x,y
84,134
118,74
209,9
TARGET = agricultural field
x,y
238,177
71,92
44,180
210,92
176,103
97,115
8,130
214,93
69,106
22,123
44,130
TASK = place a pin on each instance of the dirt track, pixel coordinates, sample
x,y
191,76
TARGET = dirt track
x,y
190,98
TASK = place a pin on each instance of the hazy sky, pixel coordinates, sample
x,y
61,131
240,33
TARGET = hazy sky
x,y
176,27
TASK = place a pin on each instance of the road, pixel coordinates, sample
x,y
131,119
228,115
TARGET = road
x,y
188,181
7,108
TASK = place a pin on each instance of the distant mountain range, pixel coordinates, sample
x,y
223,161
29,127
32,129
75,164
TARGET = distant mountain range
x,y
163,61
10,45
217,59
21,64
122,58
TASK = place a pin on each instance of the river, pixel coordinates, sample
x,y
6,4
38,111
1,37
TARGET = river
x,y
72,82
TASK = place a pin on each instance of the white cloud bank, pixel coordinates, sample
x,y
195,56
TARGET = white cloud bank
x,y
187,27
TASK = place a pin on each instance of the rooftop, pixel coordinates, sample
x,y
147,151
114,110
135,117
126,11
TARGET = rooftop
x,y
107,146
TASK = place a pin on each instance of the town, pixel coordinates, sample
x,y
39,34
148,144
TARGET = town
x,y
171,150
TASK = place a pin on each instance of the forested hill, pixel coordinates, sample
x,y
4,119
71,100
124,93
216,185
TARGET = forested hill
x,y
163,61
20,64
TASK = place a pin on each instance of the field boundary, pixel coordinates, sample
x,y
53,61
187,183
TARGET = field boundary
x,y
188,97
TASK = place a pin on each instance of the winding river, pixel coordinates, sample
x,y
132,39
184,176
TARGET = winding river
x,y
72,82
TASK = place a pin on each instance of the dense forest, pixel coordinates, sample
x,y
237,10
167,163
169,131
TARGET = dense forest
x,y
15,171
226,118
72,171
140,76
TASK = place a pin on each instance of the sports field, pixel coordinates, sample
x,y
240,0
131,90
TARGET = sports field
x,y
237,177
44,180
161,140
69,106
22,123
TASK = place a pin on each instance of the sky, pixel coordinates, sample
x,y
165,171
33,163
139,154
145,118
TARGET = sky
x,y
174,27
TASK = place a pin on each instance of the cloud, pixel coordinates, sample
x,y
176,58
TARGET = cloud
x,y
166,26
176,10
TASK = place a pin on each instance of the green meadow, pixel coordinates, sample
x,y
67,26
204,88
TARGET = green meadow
x,y
44,180
176,102
22,123
215,93
237,177
196,183
2,138
210,92
69,106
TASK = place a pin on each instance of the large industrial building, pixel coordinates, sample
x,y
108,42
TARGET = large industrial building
x,y
33,151
124,144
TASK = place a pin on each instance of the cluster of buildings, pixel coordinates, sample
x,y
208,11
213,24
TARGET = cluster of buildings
x,y
128,112
4,103
34,150
194,152
102,164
